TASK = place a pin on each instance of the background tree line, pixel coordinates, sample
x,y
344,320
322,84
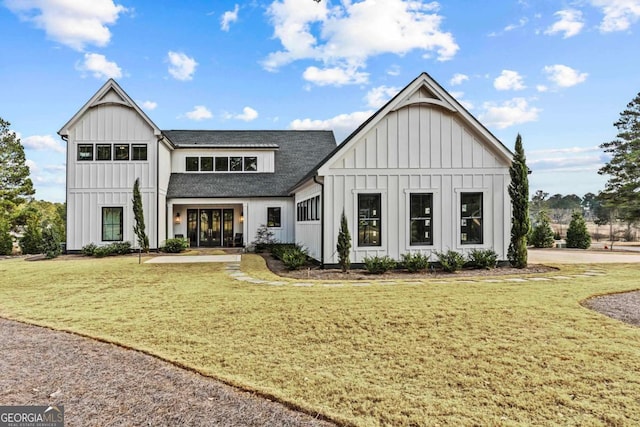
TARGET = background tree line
x,y
37,226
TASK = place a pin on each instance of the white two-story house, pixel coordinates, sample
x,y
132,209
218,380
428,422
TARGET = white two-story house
x,y
421,174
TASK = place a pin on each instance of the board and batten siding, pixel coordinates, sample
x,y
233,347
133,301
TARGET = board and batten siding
x,y
309,233
94,184
418,149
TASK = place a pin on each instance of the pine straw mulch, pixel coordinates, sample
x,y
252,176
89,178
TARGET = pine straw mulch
x,y
102,384
314,272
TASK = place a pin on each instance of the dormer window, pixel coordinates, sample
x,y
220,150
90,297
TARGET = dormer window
x,y
222,164
250,164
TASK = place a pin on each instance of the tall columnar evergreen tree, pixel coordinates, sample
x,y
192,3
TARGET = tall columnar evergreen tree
x,y
138,213
622,190
344,244
15,185
519,193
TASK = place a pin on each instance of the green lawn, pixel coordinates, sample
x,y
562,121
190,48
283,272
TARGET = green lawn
x,y
416,354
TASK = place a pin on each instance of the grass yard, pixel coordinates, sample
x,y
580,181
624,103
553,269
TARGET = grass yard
x,y
415,354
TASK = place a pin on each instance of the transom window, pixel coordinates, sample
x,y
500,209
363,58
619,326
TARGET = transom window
x,y
139,152
471,218
221,164
112,224
103,152
308,210
121,152
421,211
369,220
85,152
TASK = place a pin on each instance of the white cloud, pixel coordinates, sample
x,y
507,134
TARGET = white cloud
x,y
542,88
345,35
199,112
149,105
43,142
394,70
182,66
458,96
334,76
509,80
72,23
342,125
378,96
99,66
248,114
508,113
228,17
572,159
570,23
458,79
521,23
619,15
564,76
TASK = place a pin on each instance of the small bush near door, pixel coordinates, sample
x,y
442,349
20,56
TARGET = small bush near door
x,y
450,261
294,257
175,245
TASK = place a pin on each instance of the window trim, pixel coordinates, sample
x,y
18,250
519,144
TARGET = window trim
x,y
201,165
90,158
102,224
309,209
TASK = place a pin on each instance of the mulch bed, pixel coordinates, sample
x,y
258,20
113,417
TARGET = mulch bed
x,y
623,306
102,384
314,272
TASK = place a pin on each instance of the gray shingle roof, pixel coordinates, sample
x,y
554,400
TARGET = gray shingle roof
x,y
297,154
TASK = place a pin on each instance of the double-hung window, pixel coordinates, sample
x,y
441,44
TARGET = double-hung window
x,y
85,151
121,152
103,152
471,218
139,152
112,224
369,220
421,211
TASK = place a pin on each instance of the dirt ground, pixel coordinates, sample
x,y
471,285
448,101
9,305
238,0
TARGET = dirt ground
x,y
102,384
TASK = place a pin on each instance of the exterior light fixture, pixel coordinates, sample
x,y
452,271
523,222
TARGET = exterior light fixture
x,y
178,219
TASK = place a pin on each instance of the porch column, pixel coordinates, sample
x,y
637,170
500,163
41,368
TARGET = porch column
x,y
170,220
245,226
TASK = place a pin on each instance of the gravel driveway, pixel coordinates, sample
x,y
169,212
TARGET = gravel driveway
x,y
102,384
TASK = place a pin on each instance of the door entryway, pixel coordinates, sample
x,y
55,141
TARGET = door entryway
x,y
210,227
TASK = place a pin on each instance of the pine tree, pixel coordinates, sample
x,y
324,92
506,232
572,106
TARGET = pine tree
x,y
542,234
577,234
519,193
138,213
15,185
344,244
621,190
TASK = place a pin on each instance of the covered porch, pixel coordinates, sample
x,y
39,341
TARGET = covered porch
x,y
210,223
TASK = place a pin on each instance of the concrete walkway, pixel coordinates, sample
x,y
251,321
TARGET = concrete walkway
x,y
186,259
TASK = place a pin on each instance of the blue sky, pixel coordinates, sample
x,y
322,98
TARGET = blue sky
x,y
557,72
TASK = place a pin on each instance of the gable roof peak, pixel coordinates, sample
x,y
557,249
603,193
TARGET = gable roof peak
x,y
109,93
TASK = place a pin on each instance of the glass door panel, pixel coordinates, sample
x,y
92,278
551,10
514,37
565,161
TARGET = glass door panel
x,y
192,227
216,227
228,227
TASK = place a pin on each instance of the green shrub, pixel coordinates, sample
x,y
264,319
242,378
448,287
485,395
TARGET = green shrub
x,y
50,243
265,238
89,249
102,251
379,264
31,240
120,248
483,258
293,258
415,262
542,235
176,245
279,249
450,261
577,234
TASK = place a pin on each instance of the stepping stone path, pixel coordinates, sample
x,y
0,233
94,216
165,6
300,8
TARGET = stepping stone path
x,y
233,270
